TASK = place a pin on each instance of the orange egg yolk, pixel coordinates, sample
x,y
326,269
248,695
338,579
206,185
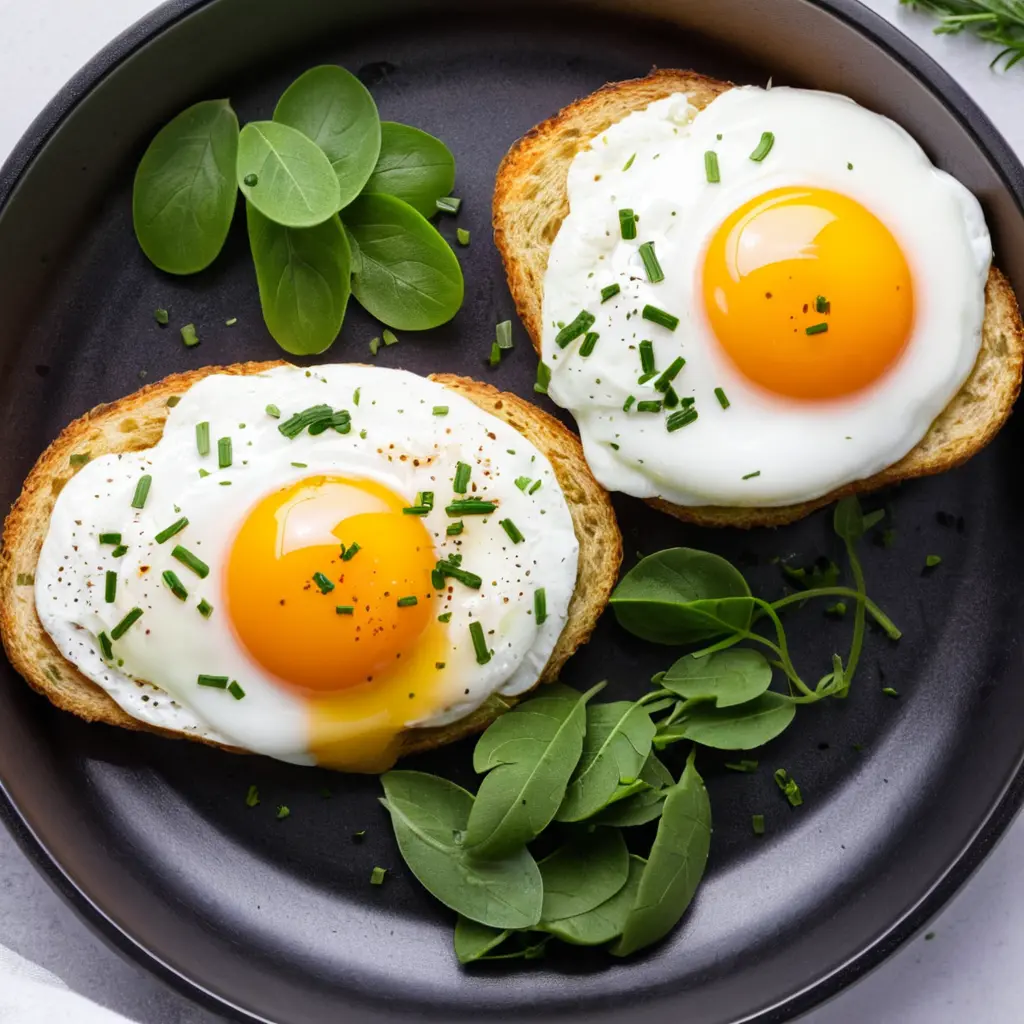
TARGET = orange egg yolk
x,y
808,293
357,637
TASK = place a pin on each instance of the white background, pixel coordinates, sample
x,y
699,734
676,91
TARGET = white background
x,y
970,971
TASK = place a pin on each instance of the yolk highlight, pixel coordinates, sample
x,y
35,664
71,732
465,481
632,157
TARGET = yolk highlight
x,y
792,260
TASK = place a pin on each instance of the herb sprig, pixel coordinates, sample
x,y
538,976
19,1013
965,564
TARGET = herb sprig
x,y
996,21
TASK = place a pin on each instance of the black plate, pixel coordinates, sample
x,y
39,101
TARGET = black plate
x,y
151,839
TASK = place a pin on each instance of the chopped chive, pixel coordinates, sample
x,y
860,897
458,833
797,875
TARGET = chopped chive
x,y
125,624
890,692
440,410
512,530
503,334
647,356
389,336
142,491
173,401
789,788
231,322
476,631
174,585
224,452
203,438
189,336
583,322
495,356
417,510
522,482
300,421
644,378
742,766
350,552
119,551
449,568
235,690
711,167
162,317
681,418
216,682
448,204
654,406
750,476
273,411
437,579
933,560
79,459
627,224
665,380
461,481
817,328
374,346
344,609
301,465
205,608
671,398
629,163
25,579
722,400
106,648
171,530
536,486
454,529
764,147
757,824
110,538
446,617
325,585
470,507
355,396
609,291
822,305
462,235
588,343
110,587
197,565
252,798
837,610
540,605
439,665
660,317
407,602
651,265
377,874
628,403
283,812
543,378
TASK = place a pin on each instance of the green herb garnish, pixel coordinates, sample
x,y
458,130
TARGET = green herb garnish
x,y
162,317
757,824
660,317
170,531
110,538
512,530
205,608
454,529
408,602
106,648
174,585
503,334
197,565
583,322
110,587
189,336
325,585
665,380
462,474
235,690
470,507
711,171
215,682
764,147
540,605
649,406
647,357
681,418
651,265
252,797
609,291
377,876
932,560
389,336
627,224
723,401
588,343
483,654
448,204
142,491
440,410
822,305
462,235
125,624
543,378
817,328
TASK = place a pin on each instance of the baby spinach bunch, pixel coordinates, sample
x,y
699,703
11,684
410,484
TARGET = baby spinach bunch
x,y
337,203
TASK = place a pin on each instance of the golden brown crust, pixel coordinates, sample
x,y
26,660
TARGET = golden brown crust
x,y
530,203
137,421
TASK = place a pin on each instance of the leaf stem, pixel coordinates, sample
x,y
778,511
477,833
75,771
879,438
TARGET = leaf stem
x,y
892,631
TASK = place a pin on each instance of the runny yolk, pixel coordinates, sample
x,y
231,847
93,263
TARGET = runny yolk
x,y
808,293
363,673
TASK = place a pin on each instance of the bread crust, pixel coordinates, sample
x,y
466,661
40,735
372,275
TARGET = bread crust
x,y
531,201
136,422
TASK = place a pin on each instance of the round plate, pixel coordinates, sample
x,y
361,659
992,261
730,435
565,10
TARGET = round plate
x,y
276,920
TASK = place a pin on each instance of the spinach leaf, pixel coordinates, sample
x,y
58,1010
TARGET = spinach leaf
x,y
304,279
286,176
473,941
583,874
638,808
430,816
184,195
736,728
529,755
730,677
616,745
408,276
604,922
682,596
333,108
413,166
675,866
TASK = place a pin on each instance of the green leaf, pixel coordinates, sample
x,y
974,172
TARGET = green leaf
x,y
639,808
675,866
430,816
413,166
743,727
606,921
295,184
617,743
333,108
529,755
304,279
185,194
473,941
408,276
730,677
583,874
682,596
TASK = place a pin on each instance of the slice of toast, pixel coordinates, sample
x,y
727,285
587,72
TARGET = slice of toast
x,y
531,201
137,422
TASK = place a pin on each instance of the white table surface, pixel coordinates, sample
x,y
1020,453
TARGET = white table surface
x,y
969,971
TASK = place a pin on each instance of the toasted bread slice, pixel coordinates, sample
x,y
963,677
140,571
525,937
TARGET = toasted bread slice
x,y
137,422
530,203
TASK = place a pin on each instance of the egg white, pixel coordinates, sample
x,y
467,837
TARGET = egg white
x,y
800,450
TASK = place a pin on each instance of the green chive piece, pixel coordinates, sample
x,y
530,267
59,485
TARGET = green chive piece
x,y
512,530
189,336
890,692
583,322
671,398
448,204
235,690
933,560
711,167
789,788
79,459
162,317
325,585
837,610
495,357
231,322
446,617
461,481
543,378
120,551
283,812
722,400
300,421
764,147
350,552
609,291
344,609
174,585
651,265
742,766
681,418
536,486
172,401
588,343
197,565
205,608
389,336
217,682
374,346
629,163
454,529
110,538
540,605
470,507
665,380
106,648
647,356
654,406
252,798
25,579
822,305
439,665
644,378
522,482
408,602
450,568
355,396
757,824
224,452
628,403
110,588
377,874
476,631
142,491
750,476
125,624
503,334
171,530
660,317
440,410
203,438
417,510
627,224
462,235
817,328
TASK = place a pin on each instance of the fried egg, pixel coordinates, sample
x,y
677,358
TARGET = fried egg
x,y
310,562
759,302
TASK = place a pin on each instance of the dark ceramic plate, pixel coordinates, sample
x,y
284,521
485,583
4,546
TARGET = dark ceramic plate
x,y
265,920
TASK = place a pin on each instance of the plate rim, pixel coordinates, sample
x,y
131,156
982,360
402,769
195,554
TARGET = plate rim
x,y
1010,170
